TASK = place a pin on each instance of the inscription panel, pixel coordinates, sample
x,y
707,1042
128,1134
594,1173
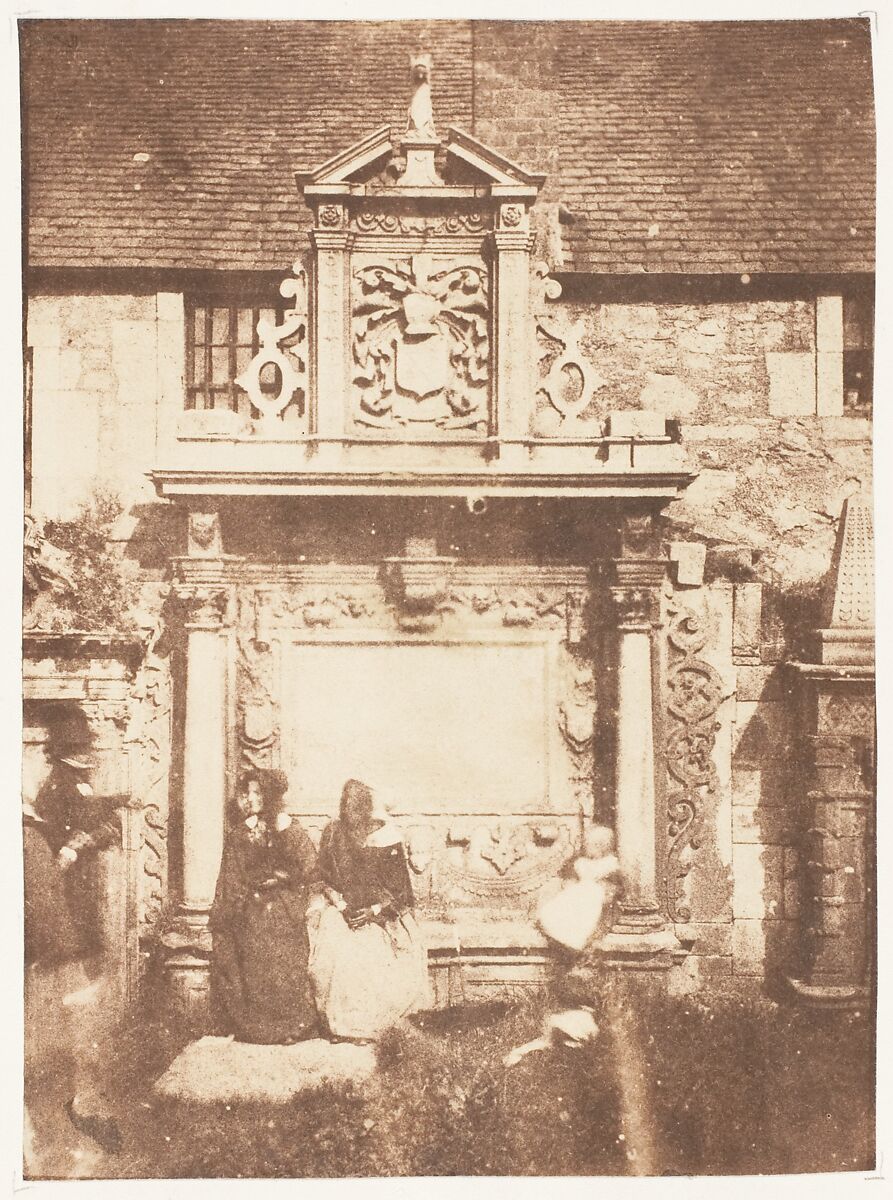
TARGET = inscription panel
x,y
435,728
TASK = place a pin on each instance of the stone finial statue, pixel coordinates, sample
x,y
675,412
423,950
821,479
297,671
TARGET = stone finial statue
x,y
420,123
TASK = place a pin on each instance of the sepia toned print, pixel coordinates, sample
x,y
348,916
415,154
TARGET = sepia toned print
x,y
449,729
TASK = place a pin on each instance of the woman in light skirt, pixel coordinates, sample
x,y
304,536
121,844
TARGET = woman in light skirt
x,y
368,965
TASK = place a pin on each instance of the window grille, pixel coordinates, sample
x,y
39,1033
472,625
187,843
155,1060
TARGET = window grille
x,y
221,340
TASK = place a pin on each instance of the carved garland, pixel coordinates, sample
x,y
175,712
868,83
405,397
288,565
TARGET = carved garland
x,y
371,221
695,693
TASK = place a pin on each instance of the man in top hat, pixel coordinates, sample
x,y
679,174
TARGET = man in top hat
x,y
63,825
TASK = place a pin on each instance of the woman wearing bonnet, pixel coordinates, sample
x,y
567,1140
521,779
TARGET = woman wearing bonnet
x,y
367,962
259,967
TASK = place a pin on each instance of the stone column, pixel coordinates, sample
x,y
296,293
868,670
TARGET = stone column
x,y
204,795
513,241
332,241
641,934
837,938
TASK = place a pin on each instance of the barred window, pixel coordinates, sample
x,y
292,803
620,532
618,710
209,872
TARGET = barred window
x,y
221,340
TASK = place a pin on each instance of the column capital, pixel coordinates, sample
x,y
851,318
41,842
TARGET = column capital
x,y
205,605
332,239
635,592
513,239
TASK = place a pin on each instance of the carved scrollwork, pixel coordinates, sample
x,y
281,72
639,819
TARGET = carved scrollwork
x,y
543,287
570,381
421,344
695,692
149,736
291,366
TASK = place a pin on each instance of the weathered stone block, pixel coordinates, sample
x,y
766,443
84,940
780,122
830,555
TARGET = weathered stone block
x,y
792,383
759,947
708,937
793,886
747,784
758,683
758,881
670,395
773,826
747,620
636,423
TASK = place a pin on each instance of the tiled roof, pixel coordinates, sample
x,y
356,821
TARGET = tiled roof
x,y
680,147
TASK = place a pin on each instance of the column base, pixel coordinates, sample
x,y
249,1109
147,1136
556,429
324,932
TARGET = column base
x,y
829,995
641,943
187,969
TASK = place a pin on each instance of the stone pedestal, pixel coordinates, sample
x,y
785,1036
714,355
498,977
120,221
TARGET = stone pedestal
x,y
837,733
837,831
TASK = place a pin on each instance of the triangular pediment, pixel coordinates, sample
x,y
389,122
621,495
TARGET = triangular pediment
x,y
344,171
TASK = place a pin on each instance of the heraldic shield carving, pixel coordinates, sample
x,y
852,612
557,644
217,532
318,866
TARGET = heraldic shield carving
x,y
420,343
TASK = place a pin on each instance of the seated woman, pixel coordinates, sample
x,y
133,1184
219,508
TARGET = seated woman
x,y
367,961
259,974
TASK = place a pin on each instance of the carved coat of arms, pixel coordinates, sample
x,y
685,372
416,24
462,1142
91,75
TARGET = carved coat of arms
x,y
421,344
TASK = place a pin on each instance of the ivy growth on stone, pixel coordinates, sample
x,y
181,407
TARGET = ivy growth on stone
x,y
103,592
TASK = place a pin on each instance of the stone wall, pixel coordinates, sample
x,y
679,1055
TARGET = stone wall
x,y
94,398
760,414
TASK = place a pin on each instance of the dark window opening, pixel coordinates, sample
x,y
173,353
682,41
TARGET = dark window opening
x,y
858,355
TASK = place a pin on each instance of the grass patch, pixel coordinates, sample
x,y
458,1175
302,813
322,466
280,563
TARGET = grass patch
x,y
731,1086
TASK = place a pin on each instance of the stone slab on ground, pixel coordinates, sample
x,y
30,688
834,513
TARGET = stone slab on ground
x,y
218,1070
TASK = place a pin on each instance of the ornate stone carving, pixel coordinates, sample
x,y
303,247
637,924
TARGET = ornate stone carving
x,y
204,536
420,115
849,604
576,714
502,862
149,736
258,718
635,607
331,216
421,343
695,693
371,220
420,581
205,604
291,366
575,616
570,381
543,287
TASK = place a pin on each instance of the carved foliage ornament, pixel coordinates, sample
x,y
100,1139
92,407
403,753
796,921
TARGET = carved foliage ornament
x,y
279,349
421,344
695,693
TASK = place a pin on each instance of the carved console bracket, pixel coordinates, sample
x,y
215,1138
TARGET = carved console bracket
x,y
420,582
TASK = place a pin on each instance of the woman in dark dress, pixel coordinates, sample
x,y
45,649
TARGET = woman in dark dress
x,y
368,963
258,920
